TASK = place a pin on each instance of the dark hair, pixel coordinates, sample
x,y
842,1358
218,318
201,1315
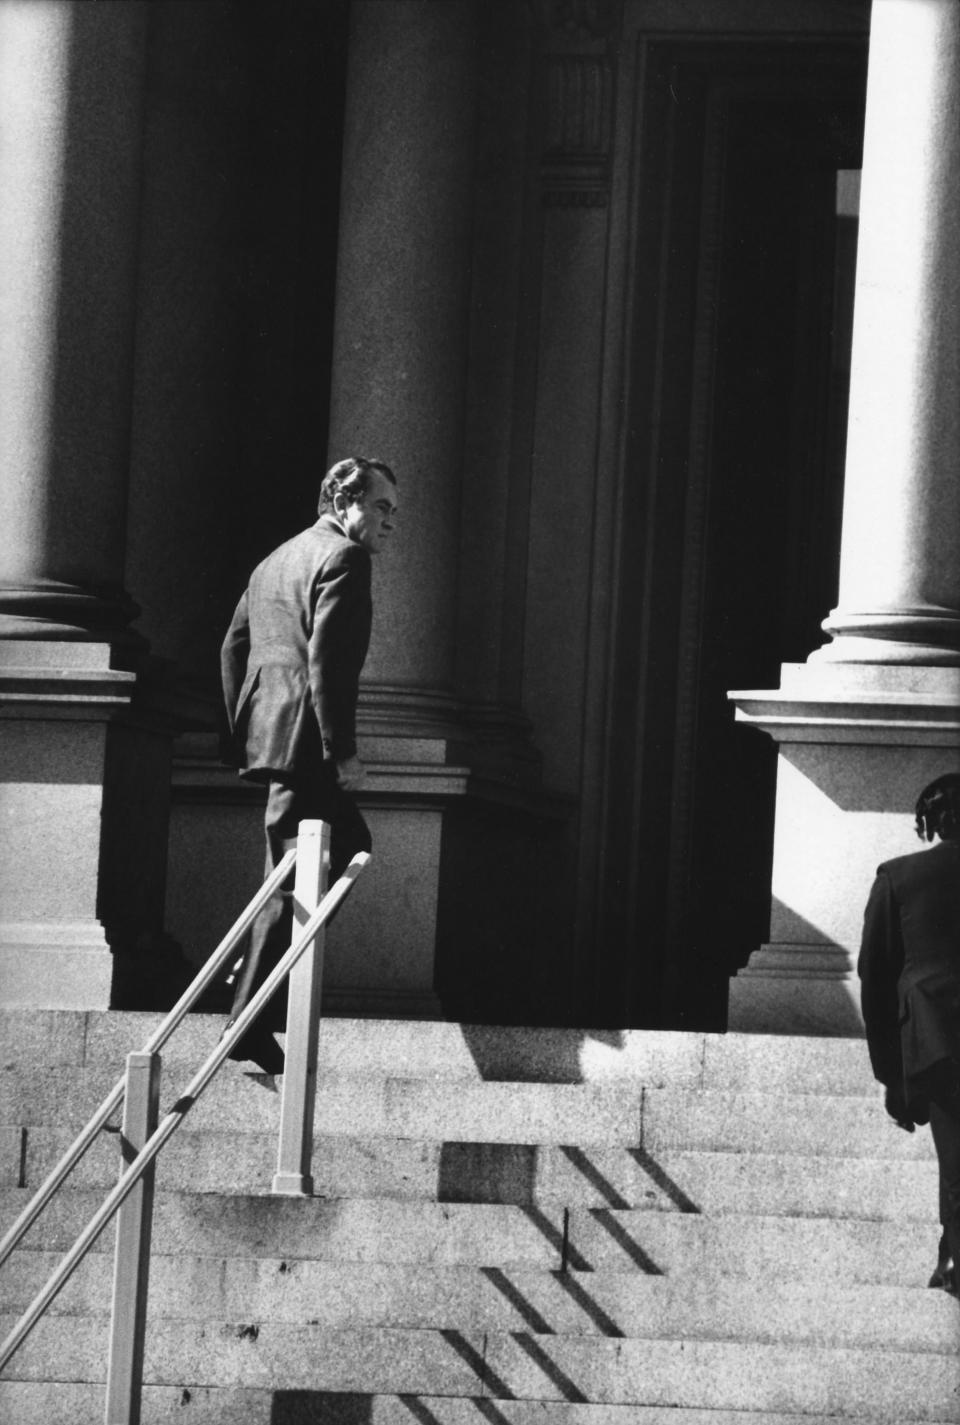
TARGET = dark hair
x,y
351,477
938,809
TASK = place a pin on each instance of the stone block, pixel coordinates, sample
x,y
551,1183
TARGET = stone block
x,y
37,1403
750,1247
41,1037
764,1123
790,1064
206,1161
692,1374
724,1376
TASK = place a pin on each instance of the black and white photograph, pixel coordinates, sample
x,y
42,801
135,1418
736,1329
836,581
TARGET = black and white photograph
x,y
479,712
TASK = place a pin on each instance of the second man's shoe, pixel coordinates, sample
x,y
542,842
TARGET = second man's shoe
x,y
259,1046
945,1273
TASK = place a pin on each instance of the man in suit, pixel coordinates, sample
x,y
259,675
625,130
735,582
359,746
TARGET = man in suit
x,y
291,665
909,967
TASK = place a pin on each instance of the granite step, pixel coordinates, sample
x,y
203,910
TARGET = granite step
x,y
481,1053
36,1403
689,1374
511,1237
595,1176
509,1222
624,1113
617,1304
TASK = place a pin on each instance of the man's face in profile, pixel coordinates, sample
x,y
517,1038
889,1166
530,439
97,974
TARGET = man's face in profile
x,y
369,520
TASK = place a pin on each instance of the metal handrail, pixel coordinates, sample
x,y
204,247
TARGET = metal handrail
x,y
172,1120
157,1039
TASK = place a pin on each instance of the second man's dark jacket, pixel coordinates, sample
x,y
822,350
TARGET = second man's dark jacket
x,y
292,656
910,971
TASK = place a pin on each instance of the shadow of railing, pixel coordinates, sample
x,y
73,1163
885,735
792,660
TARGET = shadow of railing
x,y
540,1357
663,1181
421,1411
476,1360
538,1321
600,1318
611,1194
530,1313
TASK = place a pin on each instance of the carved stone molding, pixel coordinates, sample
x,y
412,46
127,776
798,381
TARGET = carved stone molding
x,y
580,19
577,130
579,101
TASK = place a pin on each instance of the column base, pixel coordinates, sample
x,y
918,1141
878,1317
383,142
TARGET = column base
x,y
47,610
796,989
920,637
857,744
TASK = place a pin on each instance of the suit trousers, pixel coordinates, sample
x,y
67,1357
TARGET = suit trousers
x,y
310,796
945,1128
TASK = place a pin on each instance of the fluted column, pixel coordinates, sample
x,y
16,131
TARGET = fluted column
x,y
874,715
900,564
401,331
70,122
399,394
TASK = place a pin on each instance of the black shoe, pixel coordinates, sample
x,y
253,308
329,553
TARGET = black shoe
x,y
259,1046
945,1277
945,1273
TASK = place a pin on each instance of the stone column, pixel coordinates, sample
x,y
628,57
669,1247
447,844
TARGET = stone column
x,y
900,570
401,329
875,714
70,122
399,394
82,776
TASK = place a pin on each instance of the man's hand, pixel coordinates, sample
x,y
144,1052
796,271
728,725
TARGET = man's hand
x,y
350,774
895,1102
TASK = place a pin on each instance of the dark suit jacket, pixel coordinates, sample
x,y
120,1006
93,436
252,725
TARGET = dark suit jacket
x,y
292,656
910,970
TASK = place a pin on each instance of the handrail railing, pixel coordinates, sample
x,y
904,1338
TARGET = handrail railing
x,y
156,1041
145,1158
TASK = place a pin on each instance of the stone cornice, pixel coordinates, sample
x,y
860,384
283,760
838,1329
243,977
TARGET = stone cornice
x,y
414,775
65,675
75,680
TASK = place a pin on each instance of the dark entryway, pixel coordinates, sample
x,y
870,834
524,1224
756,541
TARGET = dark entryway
x,y
732,509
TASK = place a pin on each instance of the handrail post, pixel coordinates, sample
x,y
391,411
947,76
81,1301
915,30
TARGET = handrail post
x,y
131,1266
130,1303
295,1150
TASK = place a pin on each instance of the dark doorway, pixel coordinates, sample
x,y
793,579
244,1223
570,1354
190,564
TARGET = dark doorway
x,y
733,495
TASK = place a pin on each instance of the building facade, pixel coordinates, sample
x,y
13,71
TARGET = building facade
x,y
583,273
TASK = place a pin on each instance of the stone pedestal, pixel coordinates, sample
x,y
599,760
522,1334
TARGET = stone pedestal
x,y
443,918
84,792
380,949
856,746
875,714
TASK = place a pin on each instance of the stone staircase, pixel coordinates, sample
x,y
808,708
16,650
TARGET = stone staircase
x,y
523,1227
